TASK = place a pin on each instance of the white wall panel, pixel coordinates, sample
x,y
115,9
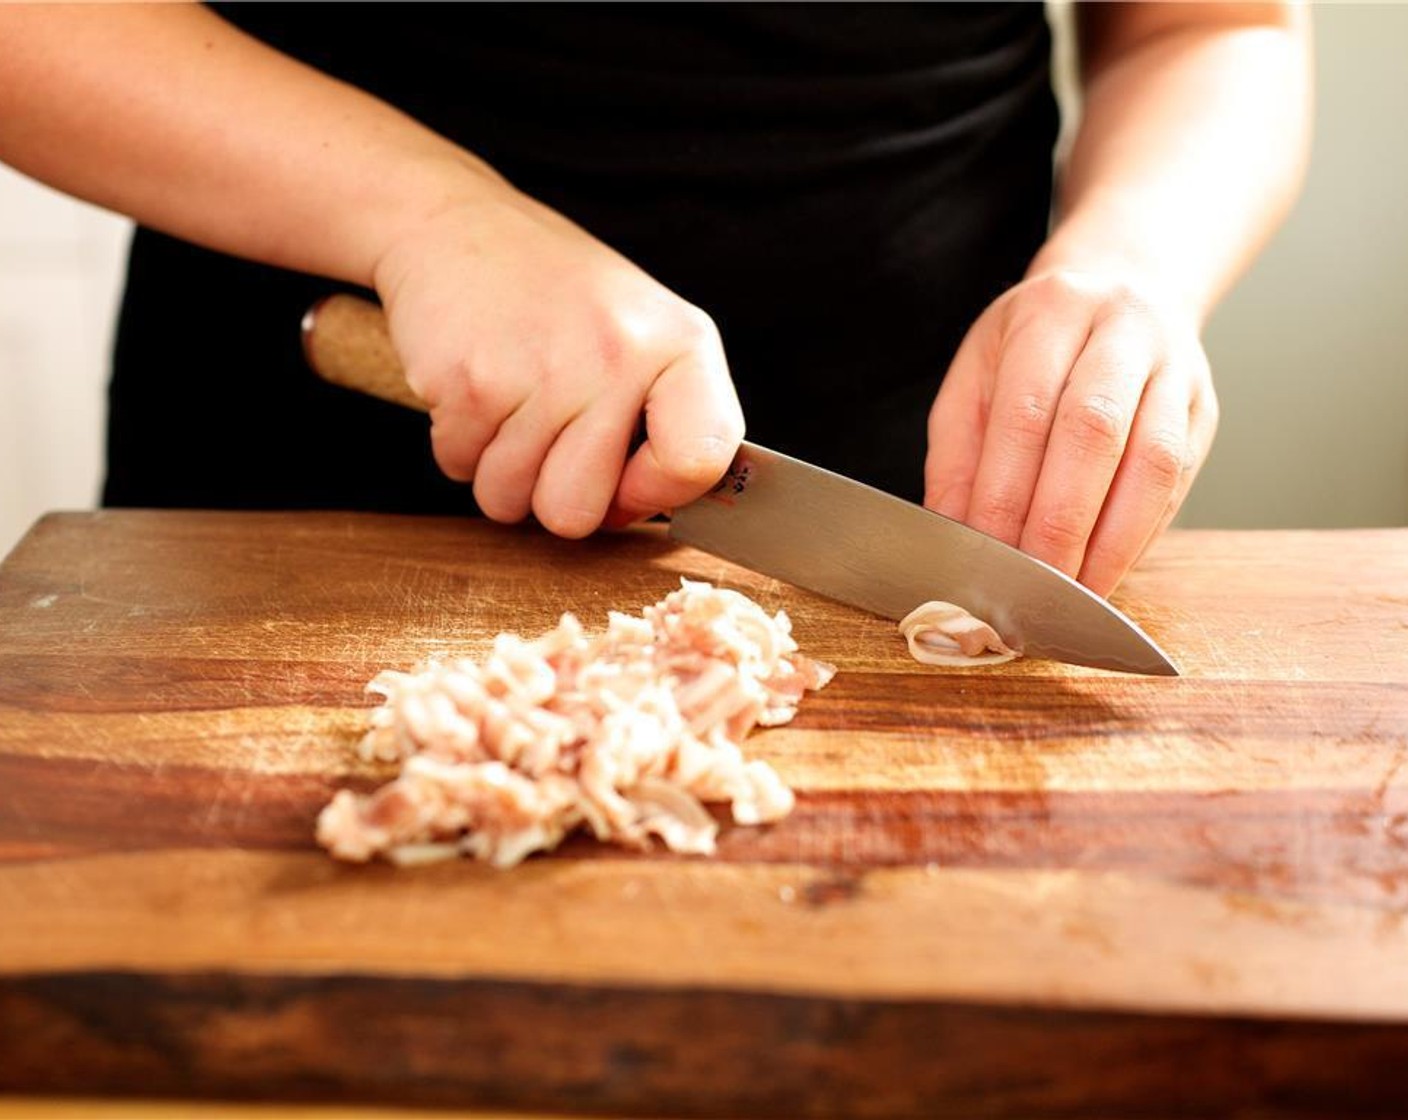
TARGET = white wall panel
x,y
60,264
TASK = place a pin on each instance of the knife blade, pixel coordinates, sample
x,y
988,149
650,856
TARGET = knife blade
x,y
850,542
819,530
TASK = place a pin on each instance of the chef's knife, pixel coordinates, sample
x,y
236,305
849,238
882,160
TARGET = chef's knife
x,y
820,530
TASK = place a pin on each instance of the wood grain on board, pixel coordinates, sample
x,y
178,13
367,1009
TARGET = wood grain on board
x,y
1029,890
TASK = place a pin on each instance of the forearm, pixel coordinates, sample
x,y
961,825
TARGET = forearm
x,y
1191,148
172,116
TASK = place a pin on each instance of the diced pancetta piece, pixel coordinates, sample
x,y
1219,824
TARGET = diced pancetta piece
x,y
627,732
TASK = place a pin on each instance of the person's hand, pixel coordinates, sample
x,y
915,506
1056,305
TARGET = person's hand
x,y
538,349
1072,422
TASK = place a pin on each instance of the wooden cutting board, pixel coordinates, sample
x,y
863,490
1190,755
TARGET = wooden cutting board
x,y
1031,890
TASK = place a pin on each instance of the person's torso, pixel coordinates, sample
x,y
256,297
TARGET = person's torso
x,y
842,187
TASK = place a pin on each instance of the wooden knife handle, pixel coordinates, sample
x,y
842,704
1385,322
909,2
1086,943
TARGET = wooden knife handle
x,y
346,342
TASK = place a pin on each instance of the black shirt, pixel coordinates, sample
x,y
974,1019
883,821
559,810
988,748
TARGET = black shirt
x,y
842,187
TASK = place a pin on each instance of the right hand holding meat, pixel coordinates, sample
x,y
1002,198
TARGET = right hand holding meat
x,y
538,348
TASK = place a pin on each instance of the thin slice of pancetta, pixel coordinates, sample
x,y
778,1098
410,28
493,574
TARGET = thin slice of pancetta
x,y
945,634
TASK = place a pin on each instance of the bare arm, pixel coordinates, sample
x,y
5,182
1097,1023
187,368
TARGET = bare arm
x,y
1192,145
174,117
170,115
1080,406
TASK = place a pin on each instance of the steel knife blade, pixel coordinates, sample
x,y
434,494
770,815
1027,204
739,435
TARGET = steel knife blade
x,y
856,544
819,530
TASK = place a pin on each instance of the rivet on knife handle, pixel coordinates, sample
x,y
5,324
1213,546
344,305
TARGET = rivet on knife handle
x,y
346,342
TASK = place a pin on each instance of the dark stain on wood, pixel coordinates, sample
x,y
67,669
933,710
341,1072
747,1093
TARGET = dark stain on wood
x,y
680,1052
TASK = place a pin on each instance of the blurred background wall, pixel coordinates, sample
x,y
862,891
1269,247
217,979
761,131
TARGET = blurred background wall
x,y
60,265
1310,351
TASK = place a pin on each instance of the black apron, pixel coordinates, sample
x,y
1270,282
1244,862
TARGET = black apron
x,y
842,187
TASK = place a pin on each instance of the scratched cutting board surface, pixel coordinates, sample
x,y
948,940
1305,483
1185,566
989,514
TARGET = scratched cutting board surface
x,y
997,885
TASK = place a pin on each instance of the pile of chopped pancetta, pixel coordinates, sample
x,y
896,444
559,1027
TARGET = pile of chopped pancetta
x,y
626,732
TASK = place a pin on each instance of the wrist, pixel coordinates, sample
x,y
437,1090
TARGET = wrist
x,y
395,209
1105,246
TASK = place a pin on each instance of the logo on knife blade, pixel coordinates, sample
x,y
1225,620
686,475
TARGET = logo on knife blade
x,y
733,483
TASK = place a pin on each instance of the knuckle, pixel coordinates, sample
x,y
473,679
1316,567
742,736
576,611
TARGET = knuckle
x,y
1001,513
1112,294
695,327
1126,299
625,333
1163,459
626,336
1060,531
467,386
617,336
1030,310
1096,423
1057,291
1051,288
1028,417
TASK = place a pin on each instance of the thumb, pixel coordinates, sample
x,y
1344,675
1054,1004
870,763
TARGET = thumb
x,y
693,426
